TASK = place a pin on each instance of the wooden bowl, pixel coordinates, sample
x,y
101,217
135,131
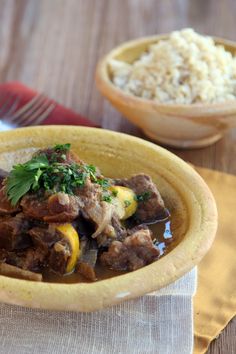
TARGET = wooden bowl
x,y
182,126
185,194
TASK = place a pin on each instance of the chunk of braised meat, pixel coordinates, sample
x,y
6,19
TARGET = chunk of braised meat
x,y
60,156
136,228
102,214
62,208
141,242
34,259
55,248
30,259
59,256
35,206
44,236
135,252
13,232
114,231
5,205
150,203
3,255
3,175
88,258
50,249
59,207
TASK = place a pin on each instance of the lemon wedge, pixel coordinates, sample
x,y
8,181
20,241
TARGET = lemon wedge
x,y
71,235
125,201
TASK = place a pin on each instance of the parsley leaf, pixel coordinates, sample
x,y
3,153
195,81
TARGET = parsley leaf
x,y
25,176
143,197
107,198
114,193
103,182
31,176
127,203
48,173
91,170
36,162
62,147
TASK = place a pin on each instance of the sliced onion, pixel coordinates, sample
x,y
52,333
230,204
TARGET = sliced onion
x,y
102,222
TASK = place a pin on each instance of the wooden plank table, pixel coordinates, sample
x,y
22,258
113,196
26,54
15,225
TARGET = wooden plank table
x,y
54,46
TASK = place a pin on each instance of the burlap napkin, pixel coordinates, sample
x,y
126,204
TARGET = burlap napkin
x,y
215,301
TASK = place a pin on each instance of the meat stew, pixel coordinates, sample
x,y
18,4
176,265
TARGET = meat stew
x,y
62,220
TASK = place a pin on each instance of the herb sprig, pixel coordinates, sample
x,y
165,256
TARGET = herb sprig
x,y
25,177
49,171
53,176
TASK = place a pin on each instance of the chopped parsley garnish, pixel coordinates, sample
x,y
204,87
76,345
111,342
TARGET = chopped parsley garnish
x,y
103,182
63,178
62,147
114,193
49,171
59,153
143,197
40,173
127,203
91,170
107,198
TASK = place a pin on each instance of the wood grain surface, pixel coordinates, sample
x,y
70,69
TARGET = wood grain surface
x,y
54,46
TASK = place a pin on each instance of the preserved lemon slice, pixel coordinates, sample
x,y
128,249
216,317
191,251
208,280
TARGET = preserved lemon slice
x,y
71,235
125,200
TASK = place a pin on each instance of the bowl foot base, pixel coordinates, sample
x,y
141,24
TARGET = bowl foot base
x,y
184,144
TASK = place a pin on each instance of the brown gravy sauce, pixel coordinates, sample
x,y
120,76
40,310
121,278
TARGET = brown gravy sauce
x,y
163,240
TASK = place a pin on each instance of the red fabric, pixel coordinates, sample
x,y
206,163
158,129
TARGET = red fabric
x,y
60,114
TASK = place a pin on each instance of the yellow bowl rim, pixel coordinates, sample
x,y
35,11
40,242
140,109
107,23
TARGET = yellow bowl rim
x,y
89,297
